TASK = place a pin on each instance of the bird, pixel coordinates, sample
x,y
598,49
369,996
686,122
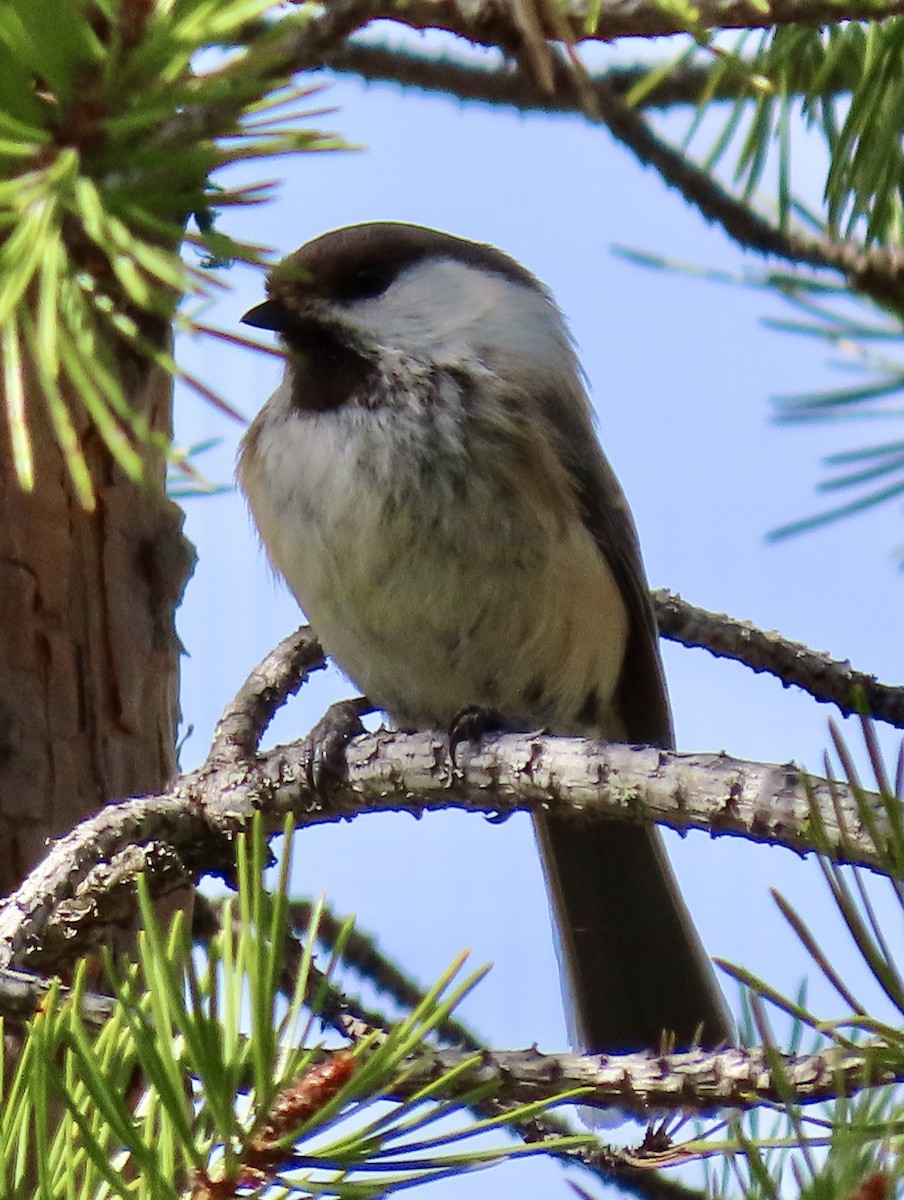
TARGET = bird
x,y
428,480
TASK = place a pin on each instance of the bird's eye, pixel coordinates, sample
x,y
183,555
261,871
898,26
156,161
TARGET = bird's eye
x,y
368,281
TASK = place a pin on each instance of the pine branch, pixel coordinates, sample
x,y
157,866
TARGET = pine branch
x,y
84,885
510,85
828,680
701,1081
356,1022
876,271
87,881
494,22
296,48
362,954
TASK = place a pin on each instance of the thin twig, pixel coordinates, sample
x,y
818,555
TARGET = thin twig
x,y
509,85
828,680
23,993
363,955
490,22
279,676
877,271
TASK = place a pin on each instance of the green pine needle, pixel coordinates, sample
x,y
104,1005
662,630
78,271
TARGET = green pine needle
x,y
793,73
204,1071
827,1151
113,138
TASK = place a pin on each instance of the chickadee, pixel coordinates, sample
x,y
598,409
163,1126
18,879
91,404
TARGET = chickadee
x,y
427,479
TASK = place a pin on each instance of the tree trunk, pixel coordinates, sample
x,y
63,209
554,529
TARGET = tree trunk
x,y
89,658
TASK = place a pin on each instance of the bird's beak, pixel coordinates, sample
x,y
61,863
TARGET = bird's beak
x,y
270,315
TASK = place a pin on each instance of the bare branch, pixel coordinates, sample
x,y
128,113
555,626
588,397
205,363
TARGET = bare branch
x,y
362,954
828,680
491,22
702,1081
85,884
64,904
876,271
512,86
285,669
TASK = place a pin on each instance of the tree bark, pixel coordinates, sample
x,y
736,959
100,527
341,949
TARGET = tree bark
x,y
89,657
504,23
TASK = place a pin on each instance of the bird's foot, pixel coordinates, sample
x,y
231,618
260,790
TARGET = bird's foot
x,y
325,761
472,723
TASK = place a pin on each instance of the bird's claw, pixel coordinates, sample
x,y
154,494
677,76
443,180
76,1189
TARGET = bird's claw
x,y
325,762
470,724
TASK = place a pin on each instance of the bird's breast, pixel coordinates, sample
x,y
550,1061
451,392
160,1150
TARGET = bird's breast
x,y
437,572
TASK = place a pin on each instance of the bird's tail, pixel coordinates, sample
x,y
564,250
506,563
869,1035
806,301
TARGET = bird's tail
x,y
635,968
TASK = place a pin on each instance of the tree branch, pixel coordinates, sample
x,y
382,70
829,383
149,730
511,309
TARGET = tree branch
x,y
876,271
85,884
299,46
513,86
65,904
492,23
280,675
828,680
701,1081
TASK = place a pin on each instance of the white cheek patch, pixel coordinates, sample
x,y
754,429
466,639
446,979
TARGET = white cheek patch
x,y
452,313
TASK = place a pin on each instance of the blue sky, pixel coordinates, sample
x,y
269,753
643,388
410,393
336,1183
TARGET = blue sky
x,y
681,372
